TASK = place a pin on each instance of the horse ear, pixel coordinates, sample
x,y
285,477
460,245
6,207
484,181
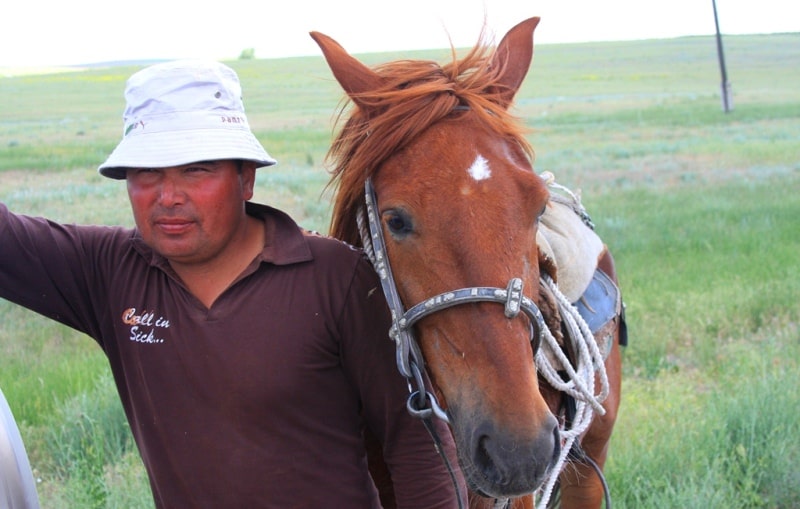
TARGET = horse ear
x,y
354,77
513,57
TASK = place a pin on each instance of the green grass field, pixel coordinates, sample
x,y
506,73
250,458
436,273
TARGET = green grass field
x,y
701,209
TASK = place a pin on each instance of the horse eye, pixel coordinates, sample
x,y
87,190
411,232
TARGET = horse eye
x,y
398,223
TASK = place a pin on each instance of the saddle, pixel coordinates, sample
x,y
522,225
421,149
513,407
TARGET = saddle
x,y
569,251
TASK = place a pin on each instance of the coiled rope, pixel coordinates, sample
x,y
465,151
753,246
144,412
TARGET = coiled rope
x,y
580,379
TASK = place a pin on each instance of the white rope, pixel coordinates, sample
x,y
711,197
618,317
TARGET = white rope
x,y
580,383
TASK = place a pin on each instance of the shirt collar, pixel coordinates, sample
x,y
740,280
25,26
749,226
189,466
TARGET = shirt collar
x,y
285,241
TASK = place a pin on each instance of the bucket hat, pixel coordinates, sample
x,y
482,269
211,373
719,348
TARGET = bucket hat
x,y
182,112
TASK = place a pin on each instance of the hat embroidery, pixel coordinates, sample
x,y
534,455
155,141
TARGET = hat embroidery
x,y
232,120
135,125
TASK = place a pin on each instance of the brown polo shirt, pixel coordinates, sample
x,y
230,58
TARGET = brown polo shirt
x,y
259,401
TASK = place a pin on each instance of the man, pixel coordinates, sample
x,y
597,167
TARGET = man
x,y
250,355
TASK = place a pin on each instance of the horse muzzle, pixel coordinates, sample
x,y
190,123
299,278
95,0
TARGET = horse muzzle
x,y
501,463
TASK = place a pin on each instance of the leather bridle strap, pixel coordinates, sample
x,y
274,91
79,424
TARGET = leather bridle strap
x,y
511,297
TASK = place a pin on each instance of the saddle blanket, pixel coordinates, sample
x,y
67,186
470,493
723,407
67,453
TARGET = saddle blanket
x,y
570,245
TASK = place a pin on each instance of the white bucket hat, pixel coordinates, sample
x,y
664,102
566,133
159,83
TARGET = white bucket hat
x,y
183,112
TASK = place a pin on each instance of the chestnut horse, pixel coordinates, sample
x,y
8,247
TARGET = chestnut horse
x,y
455,210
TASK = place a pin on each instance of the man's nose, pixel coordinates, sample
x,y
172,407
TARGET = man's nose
x,y
171,192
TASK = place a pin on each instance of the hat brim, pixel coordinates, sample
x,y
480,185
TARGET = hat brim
x,y
166,149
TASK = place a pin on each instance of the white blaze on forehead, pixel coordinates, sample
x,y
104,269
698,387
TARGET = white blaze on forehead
x,y
479,170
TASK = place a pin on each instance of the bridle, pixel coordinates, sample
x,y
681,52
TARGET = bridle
x,y
421,402
579,382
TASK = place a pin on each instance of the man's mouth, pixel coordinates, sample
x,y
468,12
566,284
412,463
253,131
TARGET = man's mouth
x,y
173,226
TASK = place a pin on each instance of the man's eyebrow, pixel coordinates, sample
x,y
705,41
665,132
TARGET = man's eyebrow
x,y
213,163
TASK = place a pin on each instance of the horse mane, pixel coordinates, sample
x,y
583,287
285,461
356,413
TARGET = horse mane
x,y
415,95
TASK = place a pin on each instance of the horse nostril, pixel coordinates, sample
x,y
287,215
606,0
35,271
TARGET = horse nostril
x,y
486,464
483,458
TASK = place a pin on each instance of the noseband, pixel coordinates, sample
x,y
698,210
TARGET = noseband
x,y
421,403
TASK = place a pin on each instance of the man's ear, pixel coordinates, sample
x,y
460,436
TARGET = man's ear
x,y
248,178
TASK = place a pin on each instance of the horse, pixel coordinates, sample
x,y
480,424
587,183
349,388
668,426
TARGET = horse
x,y
433,177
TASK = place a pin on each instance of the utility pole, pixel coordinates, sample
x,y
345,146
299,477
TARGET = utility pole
x,y
725,86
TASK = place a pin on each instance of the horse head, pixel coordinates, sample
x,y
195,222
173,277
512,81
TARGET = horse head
x,y
458,204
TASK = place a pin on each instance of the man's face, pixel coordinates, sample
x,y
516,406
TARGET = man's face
x,y
191,214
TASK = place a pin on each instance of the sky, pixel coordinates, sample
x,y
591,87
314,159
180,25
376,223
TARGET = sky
x,y
40,33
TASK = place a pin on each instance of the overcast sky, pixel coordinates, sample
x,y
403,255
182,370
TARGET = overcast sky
x,y
67,32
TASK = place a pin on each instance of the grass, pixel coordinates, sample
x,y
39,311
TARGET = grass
x,y
723,437
700,209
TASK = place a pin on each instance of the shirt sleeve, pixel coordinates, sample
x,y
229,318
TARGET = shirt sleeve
x,y
45,267
419,474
